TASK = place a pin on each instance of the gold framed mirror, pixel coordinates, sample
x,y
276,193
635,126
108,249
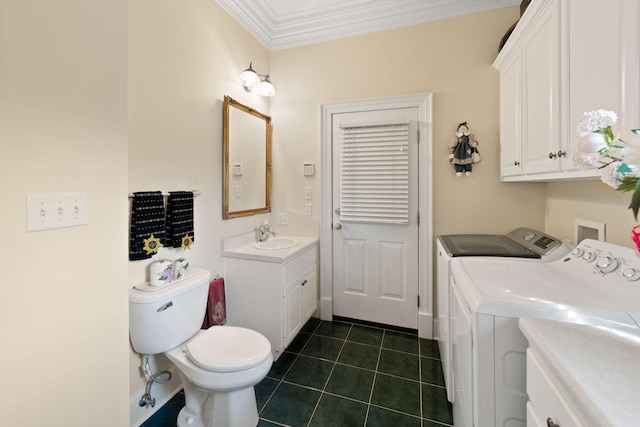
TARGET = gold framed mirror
x,y
246,160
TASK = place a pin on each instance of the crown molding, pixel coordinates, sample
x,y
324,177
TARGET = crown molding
x,y
281,24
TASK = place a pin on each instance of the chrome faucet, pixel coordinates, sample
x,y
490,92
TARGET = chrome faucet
x,y
264,231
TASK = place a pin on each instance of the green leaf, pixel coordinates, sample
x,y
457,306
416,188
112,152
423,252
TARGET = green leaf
x,y
623,168
635,201
628,183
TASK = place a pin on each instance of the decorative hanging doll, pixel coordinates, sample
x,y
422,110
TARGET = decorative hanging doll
x,y
463,150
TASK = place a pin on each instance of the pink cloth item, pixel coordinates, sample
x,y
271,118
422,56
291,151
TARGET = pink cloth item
x,y
216,313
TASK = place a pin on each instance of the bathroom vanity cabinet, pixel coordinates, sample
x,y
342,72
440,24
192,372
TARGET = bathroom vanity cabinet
x,y
272,292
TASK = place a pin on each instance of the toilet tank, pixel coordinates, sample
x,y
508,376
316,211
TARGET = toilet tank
x,y
162,319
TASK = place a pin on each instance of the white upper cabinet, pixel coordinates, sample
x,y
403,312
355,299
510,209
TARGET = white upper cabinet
x,y
564,58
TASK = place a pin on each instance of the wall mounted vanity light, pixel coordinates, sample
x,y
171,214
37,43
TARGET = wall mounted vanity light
x,y
252,81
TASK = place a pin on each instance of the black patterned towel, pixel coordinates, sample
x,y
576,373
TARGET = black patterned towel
x,y
147,230
180,219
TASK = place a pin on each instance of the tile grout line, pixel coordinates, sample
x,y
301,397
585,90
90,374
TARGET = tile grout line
x,y
420,382
316,332
281,380
375,377
335,362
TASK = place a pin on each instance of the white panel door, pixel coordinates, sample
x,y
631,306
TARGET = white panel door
x,y
375,262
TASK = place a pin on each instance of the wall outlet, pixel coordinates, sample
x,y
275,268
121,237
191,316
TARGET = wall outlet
x,y
307,209
283,218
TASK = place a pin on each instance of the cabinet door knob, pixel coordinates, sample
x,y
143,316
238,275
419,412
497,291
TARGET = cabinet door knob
x,y
516,163
550,423
552,155
562,153
304,282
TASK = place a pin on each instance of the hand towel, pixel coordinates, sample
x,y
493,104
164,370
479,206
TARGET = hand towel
x,y
147,226
216,313
180,219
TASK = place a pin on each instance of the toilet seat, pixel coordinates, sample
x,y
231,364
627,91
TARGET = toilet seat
x,y
228,349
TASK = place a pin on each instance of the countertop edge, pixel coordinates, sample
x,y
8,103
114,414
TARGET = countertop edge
x,y
280,256
572,353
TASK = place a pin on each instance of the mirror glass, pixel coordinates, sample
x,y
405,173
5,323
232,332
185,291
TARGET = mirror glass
x,y
246,179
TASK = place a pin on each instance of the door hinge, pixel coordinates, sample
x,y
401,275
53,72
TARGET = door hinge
x,y
418,298
418,141
418,218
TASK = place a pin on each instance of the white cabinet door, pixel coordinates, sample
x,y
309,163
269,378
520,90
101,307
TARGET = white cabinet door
x,y
310,292
541,74
300,302
547,399
510,116
603,65
293,319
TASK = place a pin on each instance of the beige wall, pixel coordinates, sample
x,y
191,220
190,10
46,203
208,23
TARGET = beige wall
x,y
452,59
592,201
63,322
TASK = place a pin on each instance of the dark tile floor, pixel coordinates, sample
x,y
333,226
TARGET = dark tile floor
x,y
344,374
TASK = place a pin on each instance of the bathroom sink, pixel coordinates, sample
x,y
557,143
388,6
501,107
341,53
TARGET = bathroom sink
x,y
276,243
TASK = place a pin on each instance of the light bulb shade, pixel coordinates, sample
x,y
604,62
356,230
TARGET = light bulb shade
x,y
265,88
249,78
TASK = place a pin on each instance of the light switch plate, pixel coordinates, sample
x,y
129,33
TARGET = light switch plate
x,y
283,218
56,210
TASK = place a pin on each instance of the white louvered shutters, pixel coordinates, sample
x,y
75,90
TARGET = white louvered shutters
x,y
374,170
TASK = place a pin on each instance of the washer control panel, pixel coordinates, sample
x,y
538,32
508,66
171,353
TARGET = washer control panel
x,y
535,240
608,259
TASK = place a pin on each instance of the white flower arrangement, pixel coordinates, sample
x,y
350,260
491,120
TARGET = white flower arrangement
x,y
600,147
620,161
593,121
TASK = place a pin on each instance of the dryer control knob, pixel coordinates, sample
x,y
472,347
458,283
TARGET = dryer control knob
x,y
589,256
607,264
631,274
577,252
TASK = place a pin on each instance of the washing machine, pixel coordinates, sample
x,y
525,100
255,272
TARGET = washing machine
x,y
596,284
522,243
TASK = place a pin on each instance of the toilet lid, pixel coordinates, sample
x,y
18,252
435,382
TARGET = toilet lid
x,y
228,348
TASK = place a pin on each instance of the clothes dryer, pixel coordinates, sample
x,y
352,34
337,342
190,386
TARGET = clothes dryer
x,y
596,284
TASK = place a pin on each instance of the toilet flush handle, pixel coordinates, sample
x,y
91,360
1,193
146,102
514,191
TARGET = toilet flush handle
x,y
164,307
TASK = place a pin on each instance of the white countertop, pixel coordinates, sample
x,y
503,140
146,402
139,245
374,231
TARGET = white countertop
x,y
242,247
597,366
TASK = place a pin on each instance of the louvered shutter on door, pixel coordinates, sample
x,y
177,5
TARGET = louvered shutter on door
x,y
374,168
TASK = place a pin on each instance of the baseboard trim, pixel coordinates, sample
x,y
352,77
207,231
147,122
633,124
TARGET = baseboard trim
x,y
375,324
425,325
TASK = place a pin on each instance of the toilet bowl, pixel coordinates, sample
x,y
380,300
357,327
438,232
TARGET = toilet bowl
x,y
218,367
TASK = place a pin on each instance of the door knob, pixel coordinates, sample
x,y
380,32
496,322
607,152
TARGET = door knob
x,y
337,226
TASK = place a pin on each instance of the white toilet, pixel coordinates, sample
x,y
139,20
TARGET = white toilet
x,y
218,367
